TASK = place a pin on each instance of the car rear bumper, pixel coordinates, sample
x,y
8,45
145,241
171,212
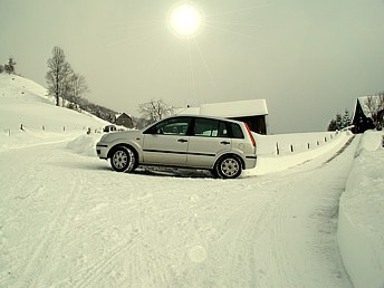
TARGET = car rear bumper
x,y
250,162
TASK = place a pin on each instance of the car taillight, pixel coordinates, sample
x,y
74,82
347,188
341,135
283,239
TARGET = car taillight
x,y
250,135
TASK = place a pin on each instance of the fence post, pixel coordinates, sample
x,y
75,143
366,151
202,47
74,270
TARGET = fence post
x,y
382,144
325,139
308,146
9,132
291,148
277,148
318,143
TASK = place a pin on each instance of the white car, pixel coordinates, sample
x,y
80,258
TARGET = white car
x,y
225,147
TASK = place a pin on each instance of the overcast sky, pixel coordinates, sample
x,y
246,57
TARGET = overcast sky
x,y
309,59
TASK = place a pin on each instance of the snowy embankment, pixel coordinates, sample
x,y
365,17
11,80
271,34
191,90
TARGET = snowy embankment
x,y
29,117
361,215
306,146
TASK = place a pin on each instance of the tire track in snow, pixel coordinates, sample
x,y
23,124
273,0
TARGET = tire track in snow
x,y
92,274
318,252
36,262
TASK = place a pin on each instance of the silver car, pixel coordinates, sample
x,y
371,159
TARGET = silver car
x,y
225,147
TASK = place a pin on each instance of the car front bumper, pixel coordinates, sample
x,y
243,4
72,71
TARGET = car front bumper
x,y
102,150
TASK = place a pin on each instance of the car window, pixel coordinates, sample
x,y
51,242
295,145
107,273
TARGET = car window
x,y
236,131
210,128
174,126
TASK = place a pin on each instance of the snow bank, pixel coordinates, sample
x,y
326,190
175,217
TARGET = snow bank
x,y
85,144
269,162
16,139
361,215
285,143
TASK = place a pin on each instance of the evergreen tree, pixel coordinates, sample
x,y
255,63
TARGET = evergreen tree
x,y
339,122
346,119
332,125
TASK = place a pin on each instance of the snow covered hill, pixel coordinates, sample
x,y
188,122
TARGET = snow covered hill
x,y
67,220
24,103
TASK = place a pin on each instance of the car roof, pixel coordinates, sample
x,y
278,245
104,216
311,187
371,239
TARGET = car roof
x,y
206,117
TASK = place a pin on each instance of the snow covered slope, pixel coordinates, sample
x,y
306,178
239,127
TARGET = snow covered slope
x,y
23,102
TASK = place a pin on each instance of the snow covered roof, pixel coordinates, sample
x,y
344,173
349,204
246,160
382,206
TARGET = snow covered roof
x,y
228,109
119,114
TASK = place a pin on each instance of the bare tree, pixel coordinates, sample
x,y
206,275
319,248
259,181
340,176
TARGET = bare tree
x,y
58,74
375,106
1,69
75,87
155,110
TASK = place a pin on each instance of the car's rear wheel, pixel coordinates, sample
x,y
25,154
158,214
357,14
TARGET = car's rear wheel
x,y
123,159
228,167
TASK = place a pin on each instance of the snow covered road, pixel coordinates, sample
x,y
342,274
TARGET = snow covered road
x,y
68,221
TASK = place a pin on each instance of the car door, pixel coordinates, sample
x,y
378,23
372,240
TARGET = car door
x,y
166,143
209,137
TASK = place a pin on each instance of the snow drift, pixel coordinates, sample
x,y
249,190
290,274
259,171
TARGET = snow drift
x,y
361,214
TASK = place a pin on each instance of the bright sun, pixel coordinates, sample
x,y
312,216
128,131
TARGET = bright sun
x,y
185,20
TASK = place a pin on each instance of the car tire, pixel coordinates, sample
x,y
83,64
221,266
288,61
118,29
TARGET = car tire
x,y
123,159
228,167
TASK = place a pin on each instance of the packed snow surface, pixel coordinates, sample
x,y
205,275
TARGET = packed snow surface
x,y
67,220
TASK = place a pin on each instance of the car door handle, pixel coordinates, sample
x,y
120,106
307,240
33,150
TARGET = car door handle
x,y
225,142
182,140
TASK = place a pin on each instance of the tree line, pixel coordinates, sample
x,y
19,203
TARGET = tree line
x,y
340,121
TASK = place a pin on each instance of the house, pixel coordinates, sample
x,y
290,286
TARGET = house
x,y
124,119
253,112
362,119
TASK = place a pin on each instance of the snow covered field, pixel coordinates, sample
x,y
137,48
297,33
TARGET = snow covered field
x,y
67,220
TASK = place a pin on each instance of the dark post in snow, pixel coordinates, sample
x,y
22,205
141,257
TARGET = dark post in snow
x,y
308,146
291,148
277,148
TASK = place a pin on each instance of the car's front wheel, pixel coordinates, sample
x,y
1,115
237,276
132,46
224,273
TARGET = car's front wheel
x,y
228,167
123,159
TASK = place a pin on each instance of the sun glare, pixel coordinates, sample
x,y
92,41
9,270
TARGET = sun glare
x,y
185,20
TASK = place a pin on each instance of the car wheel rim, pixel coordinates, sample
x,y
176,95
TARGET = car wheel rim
x,y
120,159
230,167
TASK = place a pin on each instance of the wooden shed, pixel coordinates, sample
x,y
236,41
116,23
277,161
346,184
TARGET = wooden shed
x,y
362,119
124,119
